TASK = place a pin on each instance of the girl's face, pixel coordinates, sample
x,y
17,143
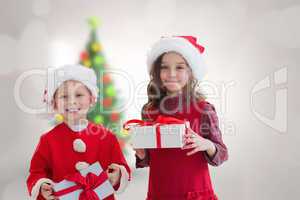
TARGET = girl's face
x,y
174,73
73,100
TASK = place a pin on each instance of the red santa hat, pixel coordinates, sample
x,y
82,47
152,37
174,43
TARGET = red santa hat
x,y
186,46
56,76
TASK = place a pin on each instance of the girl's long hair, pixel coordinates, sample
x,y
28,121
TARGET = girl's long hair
x,y
156,92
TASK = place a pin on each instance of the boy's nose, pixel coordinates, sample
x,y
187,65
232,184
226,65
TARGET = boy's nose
x,y
72,100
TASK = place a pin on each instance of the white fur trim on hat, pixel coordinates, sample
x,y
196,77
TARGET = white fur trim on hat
x,y
79,146
182,46
81,165
56,76
37,186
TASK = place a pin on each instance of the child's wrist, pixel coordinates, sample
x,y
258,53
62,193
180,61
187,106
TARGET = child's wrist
x,y
141,154
142,157
212,149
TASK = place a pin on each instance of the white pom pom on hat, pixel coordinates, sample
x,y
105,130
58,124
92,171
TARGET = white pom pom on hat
x,y
186,46
56,76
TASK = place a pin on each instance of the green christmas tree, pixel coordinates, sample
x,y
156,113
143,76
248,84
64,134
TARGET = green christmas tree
x,y
104,112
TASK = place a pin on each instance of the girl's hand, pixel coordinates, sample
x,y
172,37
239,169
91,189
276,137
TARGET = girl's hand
x,y
140,153
194,141
114,174
47,192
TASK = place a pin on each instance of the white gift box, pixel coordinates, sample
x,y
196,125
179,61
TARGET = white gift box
x,y
170,136
104,190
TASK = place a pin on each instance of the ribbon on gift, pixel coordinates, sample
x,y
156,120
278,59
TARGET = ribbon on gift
x,y
160,120
87,184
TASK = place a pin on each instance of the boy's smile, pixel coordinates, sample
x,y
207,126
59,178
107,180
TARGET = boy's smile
x,y
72,110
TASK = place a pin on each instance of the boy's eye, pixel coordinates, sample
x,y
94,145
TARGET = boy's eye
x,y
79,95
64,96
163,67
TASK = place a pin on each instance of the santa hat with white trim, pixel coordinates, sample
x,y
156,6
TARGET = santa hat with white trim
x,y
56,76
186,46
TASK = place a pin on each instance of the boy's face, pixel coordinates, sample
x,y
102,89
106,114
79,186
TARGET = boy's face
x,y
73,100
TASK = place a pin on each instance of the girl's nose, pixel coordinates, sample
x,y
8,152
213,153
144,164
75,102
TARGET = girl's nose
x,y
172,72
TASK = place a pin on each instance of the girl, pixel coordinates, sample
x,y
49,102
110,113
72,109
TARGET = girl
x,y
76,143
175,64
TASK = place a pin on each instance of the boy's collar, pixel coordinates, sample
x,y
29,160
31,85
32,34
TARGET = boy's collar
x,y
78,127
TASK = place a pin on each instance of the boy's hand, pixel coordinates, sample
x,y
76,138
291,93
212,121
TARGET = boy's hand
x,y
114,174
47,192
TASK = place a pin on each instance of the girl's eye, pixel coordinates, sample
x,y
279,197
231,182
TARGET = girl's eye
x,y
79,95
163,67
179,67
64,96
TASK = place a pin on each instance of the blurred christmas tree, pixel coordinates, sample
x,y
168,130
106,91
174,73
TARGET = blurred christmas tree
x,y
104,112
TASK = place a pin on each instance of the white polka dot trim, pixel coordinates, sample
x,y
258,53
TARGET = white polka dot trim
x,y
79,146
81,165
